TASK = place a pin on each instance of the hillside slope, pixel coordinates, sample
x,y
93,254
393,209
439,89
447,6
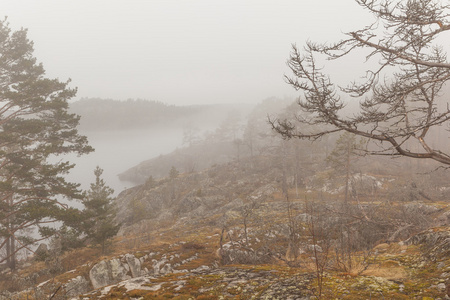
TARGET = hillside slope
x,y
197,157
244,230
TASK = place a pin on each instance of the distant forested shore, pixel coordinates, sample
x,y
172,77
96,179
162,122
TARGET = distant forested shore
x,y
109,114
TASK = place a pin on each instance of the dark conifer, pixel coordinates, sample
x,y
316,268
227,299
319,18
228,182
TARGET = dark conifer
x,y
35,127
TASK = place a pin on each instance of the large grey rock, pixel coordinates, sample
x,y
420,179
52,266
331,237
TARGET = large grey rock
x,y
134,264
76,286
107,272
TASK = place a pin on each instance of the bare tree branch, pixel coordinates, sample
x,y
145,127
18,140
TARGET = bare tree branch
x,y
398,111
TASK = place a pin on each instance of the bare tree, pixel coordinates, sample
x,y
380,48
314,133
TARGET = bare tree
x,y
319,234
398,98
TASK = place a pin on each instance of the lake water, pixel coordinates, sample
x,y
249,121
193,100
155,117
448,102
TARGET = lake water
x,y
117,151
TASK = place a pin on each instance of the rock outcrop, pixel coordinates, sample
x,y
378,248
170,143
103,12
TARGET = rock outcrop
x,y
436,242
122,268
77,286
134,264
108,272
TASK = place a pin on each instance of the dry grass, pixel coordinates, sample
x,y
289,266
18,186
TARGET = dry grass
x,y
388,270
78,257
202,239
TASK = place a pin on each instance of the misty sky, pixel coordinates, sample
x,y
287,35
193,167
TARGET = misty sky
x,y
178,52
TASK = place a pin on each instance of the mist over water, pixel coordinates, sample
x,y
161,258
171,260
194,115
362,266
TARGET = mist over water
x,y
117,151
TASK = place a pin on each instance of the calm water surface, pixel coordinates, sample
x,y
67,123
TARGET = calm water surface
x,y
117,151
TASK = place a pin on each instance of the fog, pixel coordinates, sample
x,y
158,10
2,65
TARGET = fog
x,y
178,52
173,51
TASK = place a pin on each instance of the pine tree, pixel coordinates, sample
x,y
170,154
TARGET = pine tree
x,y
342,156
100,212
35,126
173,173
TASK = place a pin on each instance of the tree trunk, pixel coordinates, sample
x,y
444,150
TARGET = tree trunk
x,y
8,251
13,253
347,169
10,242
